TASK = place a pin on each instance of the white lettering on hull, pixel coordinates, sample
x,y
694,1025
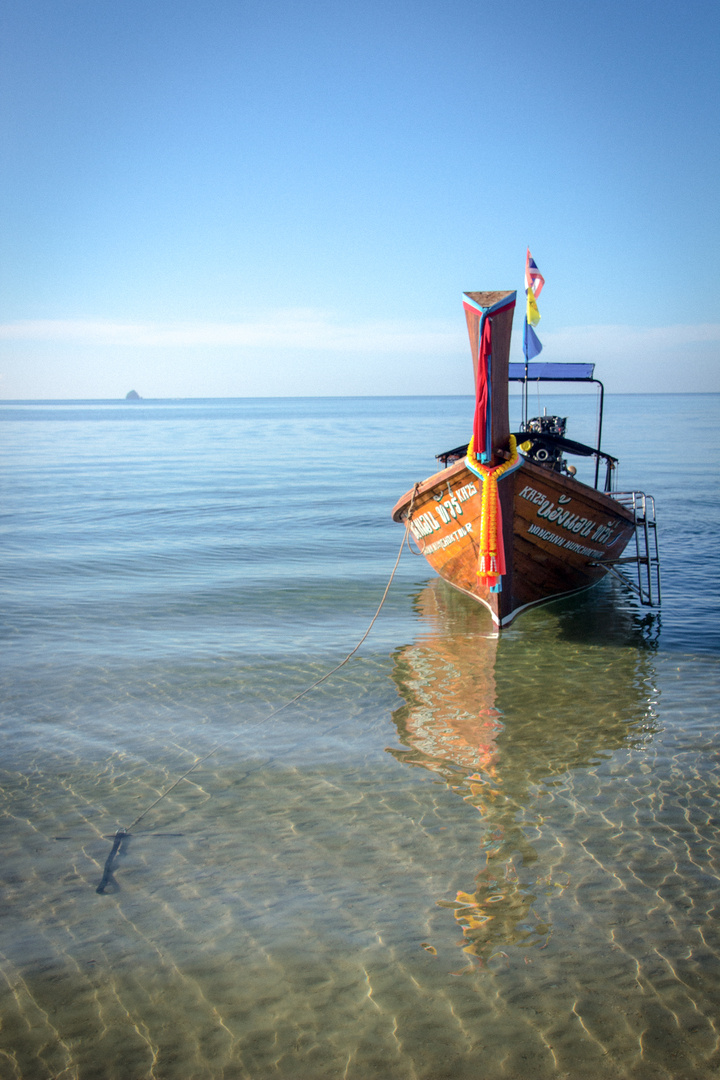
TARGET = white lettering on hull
x,y
602,533
447,510
564,542
445,541
424,525
450,509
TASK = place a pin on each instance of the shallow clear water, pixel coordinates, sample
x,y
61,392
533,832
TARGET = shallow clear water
x,y
458,857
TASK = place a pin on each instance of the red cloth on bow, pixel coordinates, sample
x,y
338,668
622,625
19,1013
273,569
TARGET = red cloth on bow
x,y
482,391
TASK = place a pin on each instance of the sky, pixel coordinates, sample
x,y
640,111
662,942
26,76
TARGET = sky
x,y
244,198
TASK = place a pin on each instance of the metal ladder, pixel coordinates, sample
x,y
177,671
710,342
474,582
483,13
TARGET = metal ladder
x,y
647,555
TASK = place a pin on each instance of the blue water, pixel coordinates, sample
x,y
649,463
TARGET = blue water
x,y
456,857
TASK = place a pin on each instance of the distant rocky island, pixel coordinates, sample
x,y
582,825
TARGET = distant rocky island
x,y
133,396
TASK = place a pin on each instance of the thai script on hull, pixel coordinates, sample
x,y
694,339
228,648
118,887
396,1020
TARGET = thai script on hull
x,y
566,518
446,509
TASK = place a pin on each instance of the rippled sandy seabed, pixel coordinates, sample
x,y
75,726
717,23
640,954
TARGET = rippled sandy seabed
x,y
429,868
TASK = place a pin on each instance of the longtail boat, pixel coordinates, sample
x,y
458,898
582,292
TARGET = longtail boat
x,y
506,520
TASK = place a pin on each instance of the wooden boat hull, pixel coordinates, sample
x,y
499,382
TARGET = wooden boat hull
x,y
556,532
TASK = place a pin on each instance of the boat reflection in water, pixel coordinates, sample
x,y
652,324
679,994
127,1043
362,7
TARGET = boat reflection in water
x,y
505,721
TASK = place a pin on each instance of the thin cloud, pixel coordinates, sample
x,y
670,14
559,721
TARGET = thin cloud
x,y
286,329
317,331
606,342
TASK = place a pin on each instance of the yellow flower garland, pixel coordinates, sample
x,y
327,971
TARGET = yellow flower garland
x,y
491,556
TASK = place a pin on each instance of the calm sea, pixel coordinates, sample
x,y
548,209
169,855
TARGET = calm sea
x,y
458,857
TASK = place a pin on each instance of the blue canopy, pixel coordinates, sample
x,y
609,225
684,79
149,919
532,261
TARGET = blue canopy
x,y
551,372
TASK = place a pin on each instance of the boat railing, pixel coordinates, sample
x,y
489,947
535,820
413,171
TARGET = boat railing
x,y
646,558
545,441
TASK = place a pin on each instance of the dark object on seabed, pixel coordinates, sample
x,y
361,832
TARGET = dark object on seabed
x,y
119,846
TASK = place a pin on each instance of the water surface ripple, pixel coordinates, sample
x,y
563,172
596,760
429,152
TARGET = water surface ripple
x,y
459,857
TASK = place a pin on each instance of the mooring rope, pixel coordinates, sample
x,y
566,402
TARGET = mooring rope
x,y
123,834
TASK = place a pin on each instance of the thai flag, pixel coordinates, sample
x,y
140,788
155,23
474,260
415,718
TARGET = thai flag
x,y
533,278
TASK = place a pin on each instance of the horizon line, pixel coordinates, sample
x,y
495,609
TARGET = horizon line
x,y
341,397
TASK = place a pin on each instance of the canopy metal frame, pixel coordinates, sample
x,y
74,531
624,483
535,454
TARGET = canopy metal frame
x,y
527,373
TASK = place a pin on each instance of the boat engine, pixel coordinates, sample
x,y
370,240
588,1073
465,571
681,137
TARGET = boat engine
x,y
543,452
